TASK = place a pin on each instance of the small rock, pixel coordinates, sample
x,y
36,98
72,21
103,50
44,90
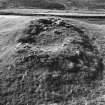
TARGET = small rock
x,y
53,104
18,44
70,65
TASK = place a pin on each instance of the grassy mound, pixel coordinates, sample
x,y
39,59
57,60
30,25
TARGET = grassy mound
x,y
55,62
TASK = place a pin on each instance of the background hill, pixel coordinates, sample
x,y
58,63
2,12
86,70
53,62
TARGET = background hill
x,y
53,4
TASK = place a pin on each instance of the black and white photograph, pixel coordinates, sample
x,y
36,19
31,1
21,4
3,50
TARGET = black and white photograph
x,y
52,52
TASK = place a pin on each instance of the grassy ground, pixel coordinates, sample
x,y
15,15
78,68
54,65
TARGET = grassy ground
x,y
51,61
32,11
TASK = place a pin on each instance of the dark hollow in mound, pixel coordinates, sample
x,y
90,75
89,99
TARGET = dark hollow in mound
x,y
56,61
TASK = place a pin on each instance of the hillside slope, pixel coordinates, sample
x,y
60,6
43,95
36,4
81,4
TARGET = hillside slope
x,y
53,4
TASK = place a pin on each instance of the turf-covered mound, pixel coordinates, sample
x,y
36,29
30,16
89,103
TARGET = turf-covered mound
x,y
55,62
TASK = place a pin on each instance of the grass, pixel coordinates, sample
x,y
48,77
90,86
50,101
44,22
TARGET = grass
x,y
44,61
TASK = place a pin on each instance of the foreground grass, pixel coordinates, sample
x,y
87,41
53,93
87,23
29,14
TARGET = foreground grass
x,y
51,61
